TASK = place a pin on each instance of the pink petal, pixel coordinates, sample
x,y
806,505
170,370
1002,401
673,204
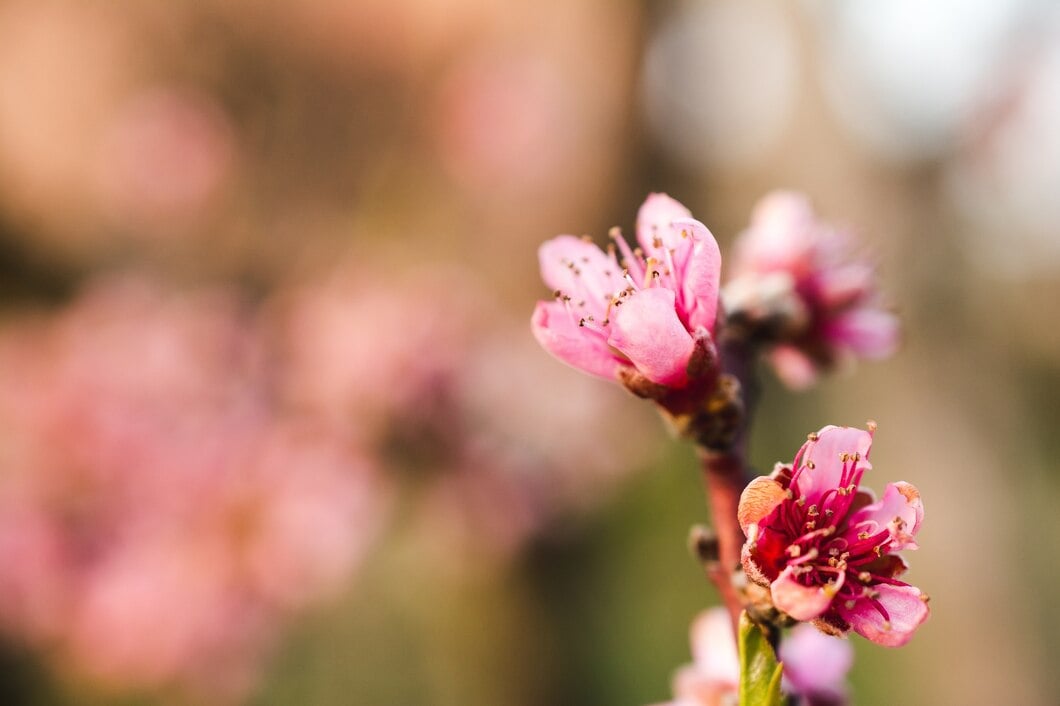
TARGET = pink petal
x,y
905,606
867,332
825,454
901,510
692,688
701,275
815,663
714,647
574,345
780,236
655,220
794,368
646,329
582,271
802,602
839,287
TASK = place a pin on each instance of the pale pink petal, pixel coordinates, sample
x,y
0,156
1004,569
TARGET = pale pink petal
x,y
576,346
901,511
655,220
839,287
701,275
867,332
906,610
802,602
826,456
815,663
714,647
794,368
582,271
646,329
780,236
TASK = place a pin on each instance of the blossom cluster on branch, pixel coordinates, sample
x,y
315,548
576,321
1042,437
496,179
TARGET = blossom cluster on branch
x,y
806,543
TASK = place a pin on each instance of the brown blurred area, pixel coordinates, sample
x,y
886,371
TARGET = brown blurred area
x,y
368,182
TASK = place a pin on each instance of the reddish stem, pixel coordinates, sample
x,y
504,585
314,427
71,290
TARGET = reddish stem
x,y
724,477
726,473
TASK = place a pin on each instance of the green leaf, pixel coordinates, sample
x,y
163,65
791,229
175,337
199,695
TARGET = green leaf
x,y
759,670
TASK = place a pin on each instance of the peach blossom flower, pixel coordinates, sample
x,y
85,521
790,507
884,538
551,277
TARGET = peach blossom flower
x,y
796,286
646,315
826,548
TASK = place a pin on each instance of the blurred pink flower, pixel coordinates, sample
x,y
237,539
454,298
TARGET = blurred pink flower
x,y
145,466
826,548
644,317
504,121
815,665
165,154
713,678
794,280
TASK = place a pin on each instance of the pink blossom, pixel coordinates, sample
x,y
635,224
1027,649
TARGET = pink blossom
x,y
146,466
815,665
713,678
643,315
825,547
796,285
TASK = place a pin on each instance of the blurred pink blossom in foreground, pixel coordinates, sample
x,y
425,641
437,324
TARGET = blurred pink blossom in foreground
x,y
815,665
646,317
160,520
794,280
826,548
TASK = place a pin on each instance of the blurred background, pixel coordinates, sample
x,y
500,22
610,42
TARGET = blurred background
x,y
273,428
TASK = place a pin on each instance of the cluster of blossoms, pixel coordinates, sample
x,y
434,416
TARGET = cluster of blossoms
x,y
818,547
649,317
815,665
825,547
143,466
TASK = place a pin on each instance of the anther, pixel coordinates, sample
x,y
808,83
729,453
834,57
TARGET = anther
x,y
864,577
812,436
